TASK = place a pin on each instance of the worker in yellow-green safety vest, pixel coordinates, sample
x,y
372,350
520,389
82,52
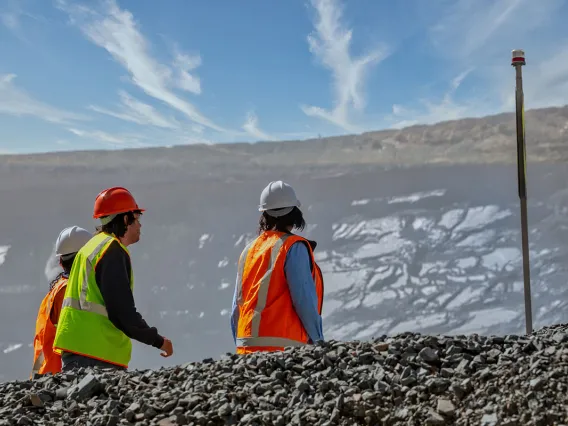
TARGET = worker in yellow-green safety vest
x,y
98,316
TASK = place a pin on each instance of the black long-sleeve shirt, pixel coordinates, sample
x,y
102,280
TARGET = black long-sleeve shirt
x,y
112,274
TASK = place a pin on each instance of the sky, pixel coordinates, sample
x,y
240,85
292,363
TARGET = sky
x,y
115,74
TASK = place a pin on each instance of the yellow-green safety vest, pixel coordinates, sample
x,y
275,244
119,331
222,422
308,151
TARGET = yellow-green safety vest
x,y
84,327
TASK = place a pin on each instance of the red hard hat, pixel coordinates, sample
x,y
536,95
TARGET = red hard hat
x,y
114,200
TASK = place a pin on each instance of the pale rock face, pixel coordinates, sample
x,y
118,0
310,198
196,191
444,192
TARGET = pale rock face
x,y
405,243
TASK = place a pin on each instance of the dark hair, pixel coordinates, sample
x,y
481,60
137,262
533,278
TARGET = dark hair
x,y
117,226
268,223
66,265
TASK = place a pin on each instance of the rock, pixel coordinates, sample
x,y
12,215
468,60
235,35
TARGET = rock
x,y
86,388
453,350
488,420
463,366
24,420
224,410
302,385
134,407
445,407
494,353
169,406
130,416
61,393
538,383
458,390
403,379
150,413
429,355
438,386
36,400
435,419
382,347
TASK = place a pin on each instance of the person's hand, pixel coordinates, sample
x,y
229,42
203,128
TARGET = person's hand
x,y
167,348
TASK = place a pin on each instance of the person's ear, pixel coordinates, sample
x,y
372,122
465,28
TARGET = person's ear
x,y
125,219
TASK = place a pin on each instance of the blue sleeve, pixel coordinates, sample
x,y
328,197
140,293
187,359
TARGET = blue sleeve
x,y
235,315
303,290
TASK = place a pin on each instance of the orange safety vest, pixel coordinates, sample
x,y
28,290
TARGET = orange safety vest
x,y
45,359
267,318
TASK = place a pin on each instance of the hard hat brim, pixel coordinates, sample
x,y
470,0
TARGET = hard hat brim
x,y
97,216
266,208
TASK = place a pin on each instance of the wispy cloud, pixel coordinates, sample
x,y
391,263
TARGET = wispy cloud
x,y
545,81
113,140
17,102
473,30
137,112
115,30
331,43
12,15
548,80
252,128
187,81
433,111
483,32
10,20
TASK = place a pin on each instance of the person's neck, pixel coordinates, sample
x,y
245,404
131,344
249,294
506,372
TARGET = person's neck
x,y
124,241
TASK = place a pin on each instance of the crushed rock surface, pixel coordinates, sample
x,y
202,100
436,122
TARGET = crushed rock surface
x,y
406,379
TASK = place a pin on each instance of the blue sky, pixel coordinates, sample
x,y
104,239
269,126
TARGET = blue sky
x,y
112,74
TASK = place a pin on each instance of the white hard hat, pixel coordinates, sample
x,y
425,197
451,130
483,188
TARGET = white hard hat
x,y
71,240
278,195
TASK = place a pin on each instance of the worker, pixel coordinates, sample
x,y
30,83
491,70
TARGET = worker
x,y
279,287
99,317
68,243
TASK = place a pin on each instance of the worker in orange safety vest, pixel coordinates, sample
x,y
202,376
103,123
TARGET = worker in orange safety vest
x,y
279,287
45,361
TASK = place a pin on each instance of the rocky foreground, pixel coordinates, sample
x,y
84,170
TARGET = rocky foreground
x,y
407,379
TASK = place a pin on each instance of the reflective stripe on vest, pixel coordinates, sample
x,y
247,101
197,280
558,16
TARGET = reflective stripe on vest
x,y
84,327
82,304
262,291
267,341
265,270
85,306
37,364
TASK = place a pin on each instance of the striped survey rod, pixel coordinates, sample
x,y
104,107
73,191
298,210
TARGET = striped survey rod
x,y
518,62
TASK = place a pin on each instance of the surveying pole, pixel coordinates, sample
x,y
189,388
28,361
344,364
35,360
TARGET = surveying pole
x,y
518,61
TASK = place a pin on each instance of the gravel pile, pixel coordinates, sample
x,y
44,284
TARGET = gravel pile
x,y
407,379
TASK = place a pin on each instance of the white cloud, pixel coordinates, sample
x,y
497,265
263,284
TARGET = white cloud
x,y
432,112
473,30
137,112
447,108
251,127
116,31
186,81
17,102
122,141
486,32
331,43
10,20
196,128
13,15
477,36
